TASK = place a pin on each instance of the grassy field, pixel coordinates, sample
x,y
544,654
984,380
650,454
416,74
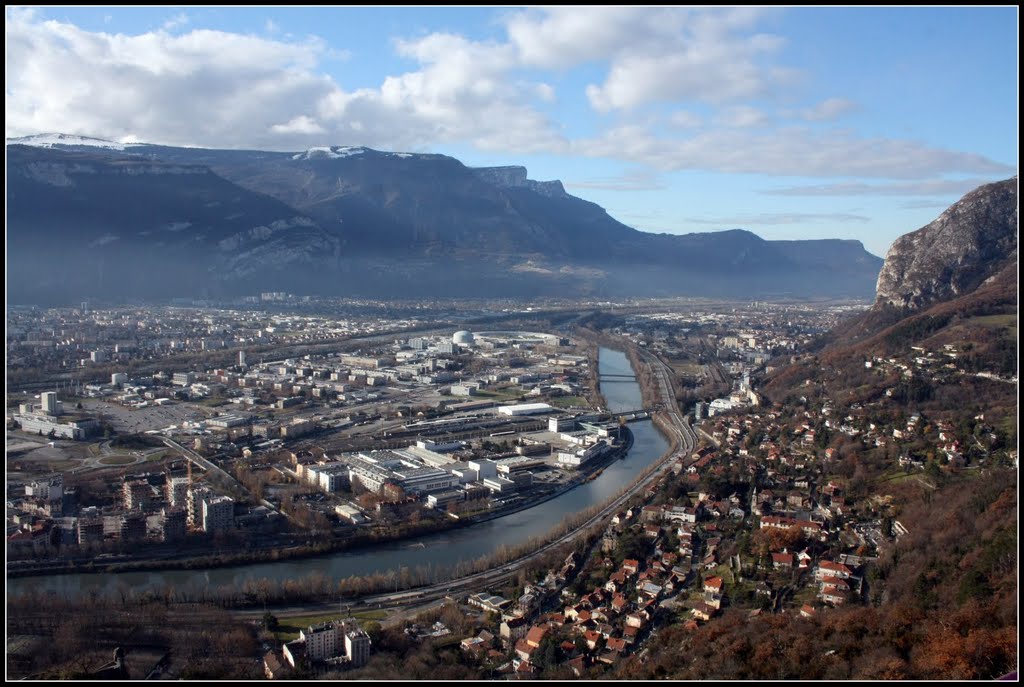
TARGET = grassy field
x,y
688,369
499,395
897,474
1007,320
725,572
117,460
569,402
212,402
53,465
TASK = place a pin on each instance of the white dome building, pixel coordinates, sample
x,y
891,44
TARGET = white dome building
x,y
463,338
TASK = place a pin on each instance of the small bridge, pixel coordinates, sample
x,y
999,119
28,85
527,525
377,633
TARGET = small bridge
x,y
631,415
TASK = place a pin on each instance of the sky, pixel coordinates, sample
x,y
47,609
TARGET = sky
x,y
794,123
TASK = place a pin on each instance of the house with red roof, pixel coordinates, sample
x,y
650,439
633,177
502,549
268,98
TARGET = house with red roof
x,y
714,585
782,560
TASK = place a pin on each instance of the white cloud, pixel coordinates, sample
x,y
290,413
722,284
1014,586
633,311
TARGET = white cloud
x,y
790,151
654,54
639,180
545,92
743,117
175,22
779,218
683,119
562,37
828,110
231,90
923,204
222,89
929,187
303,124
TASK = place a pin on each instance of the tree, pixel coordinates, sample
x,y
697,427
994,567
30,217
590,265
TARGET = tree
x,y
270,621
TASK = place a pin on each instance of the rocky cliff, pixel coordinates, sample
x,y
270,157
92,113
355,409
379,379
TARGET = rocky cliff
x,y
972,240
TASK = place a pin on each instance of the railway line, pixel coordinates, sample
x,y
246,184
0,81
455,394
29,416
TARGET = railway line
x,y
684,441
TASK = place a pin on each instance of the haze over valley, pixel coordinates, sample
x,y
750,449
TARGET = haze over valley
x,y
611,343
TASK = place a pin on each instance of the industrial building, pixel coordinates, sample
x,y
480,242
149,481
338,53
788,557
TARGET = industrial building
x,y
78,430
525,409
402,468
578,457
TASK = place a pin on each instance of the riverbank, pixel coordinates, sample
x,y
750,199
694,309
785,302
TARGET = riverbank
x,y
439,557
281,551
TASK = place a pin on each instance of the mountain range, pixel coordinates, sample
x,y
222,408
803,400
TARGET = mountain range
x,y
88,218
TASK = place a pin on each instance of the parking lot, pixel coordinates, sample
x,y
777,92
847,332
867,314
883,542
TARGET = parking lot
x,y
137,420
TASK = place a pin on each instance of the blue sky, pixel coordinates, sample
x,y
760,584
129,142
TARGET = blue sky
x,y
853,123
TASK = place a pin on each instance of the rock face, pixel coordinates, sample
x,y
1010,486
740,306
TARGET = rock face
x,y
515,177
970,242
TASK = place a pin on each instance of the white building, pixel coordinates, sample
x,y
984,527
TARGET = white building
x,y
49,403
218,513
183,378
321,641
177,491
357,646
333,477
119,378
51,489
333,640
525,409
44,425
195,498
484,468
575,459
500,485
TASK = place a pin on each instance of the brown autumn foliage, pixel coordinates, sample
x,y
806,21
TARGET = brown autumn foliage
x,y
948,609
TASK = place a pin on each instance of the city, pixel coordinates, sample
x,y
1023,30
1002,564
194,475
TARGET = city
x,y
166,444
512,343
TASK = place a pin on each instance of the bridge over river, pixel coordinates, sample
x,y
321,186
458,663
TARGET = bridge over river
x,y
440,550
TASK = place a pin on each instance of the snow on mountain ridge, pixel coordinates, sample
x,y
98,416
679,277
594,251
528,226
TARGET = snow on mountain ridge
x,y
331,152
56,139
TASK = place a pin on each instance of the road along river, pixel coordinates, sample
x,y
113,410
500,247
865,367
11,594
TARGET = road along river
x,y
438,550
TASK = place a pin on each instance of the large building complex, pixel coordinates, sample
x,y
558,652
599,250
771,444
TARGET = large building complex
x,y
80,429
339,641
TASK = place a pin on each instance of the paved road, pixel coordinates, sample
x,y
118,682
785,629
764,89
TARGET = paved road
x,y
684,439
207,465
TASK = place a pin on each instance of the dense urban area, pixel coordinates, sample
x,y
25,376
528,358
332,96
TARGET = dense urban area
x,y
768,541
